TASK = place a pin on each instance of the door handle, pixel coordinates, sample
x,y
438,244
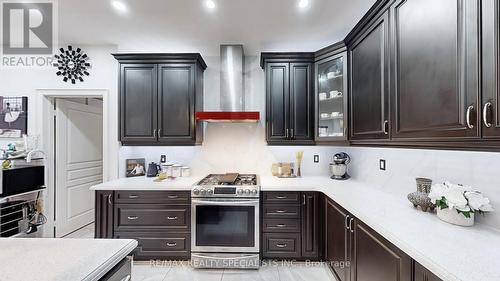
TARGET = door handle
x,y
280,211
286,133
486,110
345,222
159,132
303,199
109,199
386,129
281,245
468,116
280,197
281,225
154,133
132,218
133,196
169,244
292,133
350,225
173,197
172,218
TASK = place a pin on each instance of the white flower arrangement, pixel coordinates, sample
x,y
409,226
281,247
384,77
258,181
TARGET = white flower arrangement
x,y
459,197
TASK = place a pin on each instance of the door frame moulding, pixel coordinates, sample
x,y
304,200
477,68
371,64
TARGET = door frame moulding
x,y
45,130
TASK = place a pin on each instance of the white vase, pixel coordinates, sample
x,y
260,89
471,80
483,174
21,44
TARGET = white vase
x,y
452,216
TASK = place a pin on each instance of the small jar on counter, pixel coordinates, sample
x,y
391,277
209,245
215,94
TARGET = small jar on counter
x,y
185,172
167,168
176,170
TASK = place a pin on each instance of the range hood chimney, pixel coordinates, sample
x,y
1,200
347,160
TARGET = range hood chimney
x,y
232,89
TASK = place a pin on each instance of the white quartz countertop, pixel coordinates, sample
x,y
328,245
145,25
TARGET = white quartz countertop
x,y
451,252
52,259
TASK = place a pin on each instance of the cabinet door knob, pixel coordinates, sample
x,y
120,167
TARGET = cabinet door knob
x,y
468,116
486,111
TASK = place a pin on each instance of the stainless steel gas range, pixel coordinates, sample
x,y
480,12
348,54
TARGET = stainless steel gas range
x,y
225,221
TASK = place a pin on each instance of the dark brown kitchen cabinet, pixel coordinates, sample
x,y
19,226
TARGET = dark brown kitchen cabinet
x,y
423,274
159,95
435,70
290,102
490,42
104,214
375,259
138,102
337,240
291,225
369,82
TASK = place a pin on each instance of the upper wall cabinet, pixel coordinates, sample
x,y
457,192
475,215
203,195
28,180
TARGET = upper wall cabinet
x,y
369,83
289,98
331,94
490,39
435,65
159,94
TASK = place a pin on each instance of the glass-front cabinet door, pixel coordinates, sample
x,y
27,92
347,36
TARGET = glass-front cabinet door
x,y
331,98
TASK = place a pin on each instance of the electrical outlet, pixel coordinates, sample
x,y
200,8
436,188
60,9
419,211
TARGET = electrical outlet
x,y
382,164
316,158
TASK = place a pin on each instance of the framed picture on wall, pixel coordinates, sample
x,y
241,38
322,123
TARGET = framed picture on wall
x,y
13,117
136,167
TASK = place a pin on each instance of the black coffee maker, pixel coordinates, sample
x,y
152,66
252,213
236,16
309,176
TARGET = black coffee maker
x,y
153,170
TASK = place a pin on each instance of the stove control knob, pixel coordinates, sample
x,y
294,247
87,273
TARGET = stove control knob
x,y
240,191
247,191
203,191
254,192
210,192
196,191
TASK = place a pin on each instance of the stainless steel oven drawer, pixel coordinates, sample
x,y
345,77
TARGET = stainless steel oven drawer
x,y
132,216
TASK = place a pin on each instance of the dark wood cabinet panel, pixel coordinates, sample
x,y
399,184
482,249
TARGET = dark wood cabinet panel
x,y
176,89
490,42
138,102
301,101
435,60
276,197
281,225
369,71
423,274
281,211
278,100
103,214
310,225
148,216
158,245
281,245
337,240
375,259
155,197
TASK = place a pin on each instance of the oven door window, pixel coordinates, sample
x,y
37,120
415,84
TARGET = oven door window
x,y
225,226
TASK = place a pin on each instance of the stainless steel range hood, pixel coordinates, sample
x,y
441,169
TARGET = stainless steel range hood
x,y
232,89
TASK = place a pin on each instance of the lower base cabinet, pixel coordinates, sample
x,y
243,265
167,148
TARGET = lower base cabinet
x,y
159,245
122,271
423,274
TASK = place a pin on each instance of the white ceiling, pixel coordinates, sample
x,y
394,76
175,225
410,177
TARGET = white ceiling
x,y
187,26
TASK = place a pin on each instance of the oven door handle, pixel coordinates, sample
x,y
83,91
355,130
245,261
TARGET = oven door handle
x,y
222,258
225,203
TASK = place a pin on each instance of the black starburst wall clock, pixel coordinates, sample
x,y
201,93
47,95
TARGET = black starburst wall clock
x,y
72,64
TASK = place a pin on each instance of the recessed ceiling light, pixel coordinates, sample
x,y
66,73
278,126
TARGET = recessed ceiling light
x,y
303,4
119,6
210,4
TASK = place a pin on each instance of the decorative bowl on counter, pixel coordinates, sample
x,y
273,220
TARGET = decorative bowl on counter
x,y
421,196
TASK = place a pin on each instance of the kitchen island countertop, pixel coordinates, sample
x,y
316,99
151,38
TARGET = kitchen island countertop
x,y
56,259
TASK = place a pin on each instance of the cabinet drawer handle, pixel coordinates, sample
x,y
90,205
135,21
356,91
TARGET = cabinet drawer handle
x,y
280,211
281,197
286,133
154,133
292,135
350,225
173,197
468,116
109,199
385,124
132,217
133,196
486,110
171,244
172,218
281,245
159,132
281,225
345,222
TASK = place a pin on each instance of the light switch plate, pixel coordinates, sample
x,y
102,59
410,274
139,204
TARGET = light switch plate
x,y
316,158
382,164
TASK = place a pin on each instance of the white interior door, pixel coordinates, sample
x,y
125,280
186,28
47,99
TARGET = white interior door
x,y
78,149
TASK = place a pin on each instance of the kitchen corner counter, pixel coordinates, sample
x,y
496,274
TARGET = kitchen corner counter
x,y
453,253
145,183
55,259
